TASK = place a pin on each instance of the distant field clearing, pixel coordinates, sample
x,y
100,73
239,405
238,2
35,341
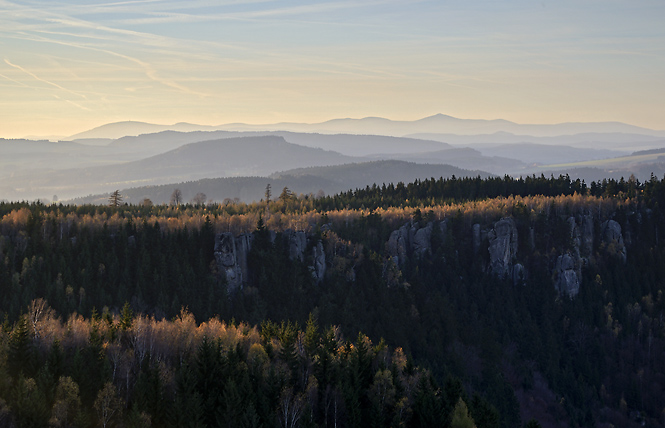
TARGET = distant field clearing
x,y
620,162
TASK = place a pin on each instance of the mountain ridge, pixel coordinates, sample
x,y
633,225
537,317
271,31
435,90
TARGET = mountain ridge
x,y
306,180
438,123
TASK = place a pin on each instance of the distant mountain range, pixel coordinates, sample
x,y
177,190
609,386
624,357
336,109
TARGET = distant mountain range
x,y
311,180
129,155
346,144
437,124
247,156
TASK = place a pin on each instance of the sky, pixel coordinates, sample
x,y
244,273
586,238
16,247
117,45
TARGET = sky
x,y
68,66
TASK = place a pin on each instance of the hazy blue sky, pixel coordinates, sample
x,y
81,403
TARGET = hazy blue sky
x,y
66,66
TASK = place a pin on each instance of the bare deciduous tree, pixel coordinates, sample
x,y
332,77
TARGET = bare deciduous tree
x,y
199,199
108,404
290,407
176,197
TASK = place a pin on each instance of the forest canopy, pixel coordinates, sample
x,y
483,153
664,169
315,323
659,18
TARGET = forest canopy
x,y
100,306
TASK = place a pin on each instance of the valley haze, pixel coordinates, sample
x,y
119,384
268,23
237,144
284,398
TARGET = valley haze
x,y
144,160
332,213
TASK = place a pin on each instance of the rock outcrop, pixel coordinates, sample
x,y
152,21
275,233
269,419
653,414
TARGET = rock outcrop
x,y
398,244
230,261
501,241
613,239
318,267
297,242
567,274
422,240
519,274
231,255
410,240
503,247
243,246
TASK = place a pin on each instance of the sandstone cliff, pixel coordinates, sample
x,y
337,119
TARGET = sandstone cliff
x,y
231,255
496,243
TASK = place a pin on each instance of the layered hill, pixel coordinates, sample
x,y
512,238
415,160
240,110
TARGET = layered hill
x,y
312,180
249,156
135,154
436,124
347,144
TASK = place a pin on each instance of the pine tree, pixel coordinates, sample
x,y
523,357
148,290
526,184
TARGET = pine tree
x,y
532,424
126,317
187,410
19,354
115,199
268,196
461,417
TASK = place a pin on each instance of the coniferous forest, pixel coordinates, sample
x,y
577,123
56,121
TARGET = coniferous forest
x,y
457,302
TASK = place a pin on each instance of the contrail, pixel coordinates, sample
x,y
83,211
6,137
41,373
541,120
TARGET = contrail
x,y
15,81
71,102
43,80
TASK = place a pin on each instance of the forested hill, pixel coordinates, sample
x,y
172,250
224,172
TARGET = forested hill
x,y
511,301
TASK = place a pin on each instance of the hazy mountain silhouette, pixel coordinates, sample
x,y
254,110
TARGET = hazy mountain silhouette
x,y
347,144
465,157
436,124
359,175
620,142
132,128
96,161
21,155
441,123
312,180
245,156
363,145
531,153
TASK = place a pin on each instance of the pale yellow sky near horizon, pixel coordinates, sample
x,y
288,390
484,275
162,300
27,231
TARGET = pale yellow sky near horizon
x,y
69,66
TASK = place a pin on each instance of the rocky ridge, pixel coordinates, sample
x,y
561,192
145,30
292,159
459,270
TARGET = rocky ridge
x,y
413,241
501,241
231,255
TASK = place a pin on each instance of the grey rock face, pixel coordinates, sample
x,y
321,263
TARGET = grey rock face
x,y
422,240
225,249
231,255
398,244
297,244
567,275
226,257
410,240
581,233
567,272
574,232
243,245
613,238
519,274
503,246
319,259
